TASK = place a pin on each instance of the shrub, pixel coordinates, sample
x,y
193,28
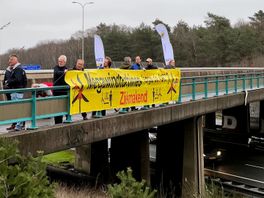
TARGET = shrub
x,y
23,177
129,187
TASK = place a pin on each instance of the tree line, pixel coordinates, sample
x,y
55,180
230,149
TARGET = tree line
x,y
218,43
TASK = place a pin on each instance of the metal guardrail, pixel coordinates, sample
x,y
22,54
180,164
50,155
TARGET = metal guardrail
x,y
191,88
241,82
33,104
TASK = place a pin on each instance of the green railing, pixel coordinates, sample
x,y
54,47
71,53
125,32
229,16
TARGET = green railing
x,y
33,101
222,84
191,88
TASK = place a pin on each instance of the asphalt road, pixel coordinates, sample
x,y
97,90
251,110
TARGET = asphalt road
x,y
240,164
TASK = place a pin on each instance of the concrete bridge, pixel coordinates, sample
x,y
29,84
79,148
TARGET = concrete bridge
x,y
179,156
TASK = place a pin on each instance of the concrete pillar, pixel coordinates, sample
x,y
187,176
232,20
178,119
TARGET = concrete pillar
x,y
99,160
180,158
169,159
236,119
193,166
93,160
131,151
83,158
261,117
210,122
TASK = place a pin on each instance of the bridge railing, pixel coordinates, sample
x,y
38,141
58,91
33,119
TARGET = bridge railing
x,y
198,87
34,108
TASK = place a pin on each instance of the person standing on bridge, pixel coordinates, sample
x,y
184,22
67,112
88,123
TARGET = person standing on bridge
x,y
80,66
58,80
148,67
15,78
106,65
137,65
171,65
126,65
150,64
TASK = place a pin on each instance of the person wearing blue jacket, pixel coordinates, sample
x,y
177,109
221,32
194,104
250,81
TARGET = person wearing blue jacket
x,y
137,64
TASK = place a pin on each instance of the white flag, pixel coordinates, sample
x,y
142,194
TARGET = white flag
x,y
165,40
98,51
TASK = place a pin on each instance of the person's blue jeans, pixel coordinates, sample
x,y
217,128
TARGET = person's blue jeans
x,y
18,96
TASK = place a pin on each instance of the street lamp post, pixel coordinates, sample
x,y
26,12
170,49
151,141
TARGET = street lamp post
x,y
4,26
83,6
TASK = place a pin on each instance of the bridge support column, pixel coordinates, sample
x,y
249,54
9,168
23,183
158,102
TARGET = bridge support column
x,y
180,158
83,158
193,166
210,122
93,159
236,119
131,151
261,117
169,158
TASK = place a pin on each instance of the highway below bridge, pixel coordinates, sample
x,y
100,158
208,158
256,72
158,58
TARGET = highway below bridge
x,y
180,129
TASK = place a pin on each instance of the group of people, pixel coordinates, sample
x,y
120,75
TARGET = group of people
x,y
58,80
61,69
15,77
127,64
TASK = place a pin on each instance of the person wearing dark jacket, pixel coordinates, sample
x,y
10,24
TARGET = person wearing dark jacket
x,y
58,80
126,65
6,77
8,95
15,78
150,64
80,66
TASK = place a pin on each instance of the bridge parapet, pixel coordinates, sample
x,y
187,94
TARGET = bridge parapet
x,y
191,88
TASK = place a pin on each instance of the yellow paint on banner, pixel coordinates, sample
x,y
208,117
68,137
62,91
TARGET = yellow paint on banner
x,y
99,89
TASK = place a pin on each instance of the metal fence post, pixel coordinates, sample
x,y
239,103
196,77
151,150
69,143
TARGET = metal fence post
x,y
33,110
216,86
258,76
205,87
193,88
226,84
244,82
235,84
68,117
251,81
180,93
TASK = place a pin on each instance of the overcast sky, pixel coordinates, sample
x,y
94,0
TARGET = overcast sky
x,y
33,21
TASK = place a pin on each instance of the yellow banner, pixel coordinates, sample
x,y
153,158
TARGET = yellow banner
x,y
99,89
